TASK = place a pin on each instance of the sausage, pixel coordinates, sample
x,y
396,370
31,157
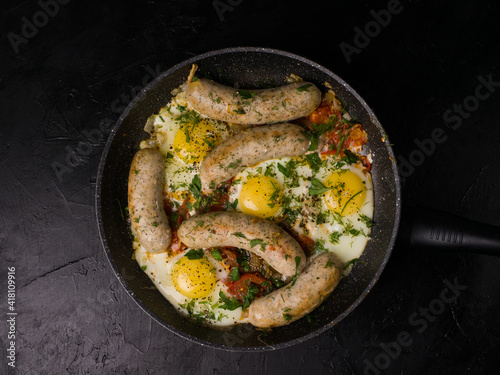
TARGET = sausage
x,y
289,303
263,106
250,147
145,201
262,237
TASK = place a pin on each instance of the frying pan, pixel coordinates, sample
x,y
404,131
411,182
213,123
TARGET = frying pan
x,y
246,68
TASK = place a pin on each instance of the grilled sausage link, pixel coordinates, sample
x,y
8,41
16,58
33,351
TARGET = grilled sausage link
x,y
289,303
250,147
262,237
145,201
263,106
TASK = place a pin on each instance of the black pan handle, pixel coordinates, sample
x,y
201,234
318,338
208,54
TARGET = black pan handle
x,y
436,230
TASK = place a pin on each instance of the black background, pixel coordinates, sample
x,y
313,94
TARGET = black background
x,y
69,79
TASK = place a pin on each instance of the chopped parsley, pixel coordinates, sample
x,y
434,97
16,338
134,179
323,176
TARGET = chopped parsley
x,y
239,235
319,247
194,254
321,218
234,275
258,241
231,205
242,261
244,94
350,157
314,161
304,87
335,237
216,254
348,228
297,262
286,171
351,262
228,304
329,264
350,199
287,317
317,188
195,187
234,165
339,145
366,220
252,291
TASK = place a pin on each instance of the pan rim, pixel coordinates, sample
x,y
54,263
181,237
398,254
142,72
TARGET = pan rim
x,y
104,157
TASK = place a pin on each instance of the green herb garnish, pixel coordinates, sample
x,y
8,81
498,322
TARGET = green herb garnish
x,y
234,275
216,254
244,94
335,237
194,254
317,188
351,262
304,87
252,291
314,161
366,220
329,264
350,199
195,187
350,157
242,261
286,171
287,317
257,241
319,247
229,304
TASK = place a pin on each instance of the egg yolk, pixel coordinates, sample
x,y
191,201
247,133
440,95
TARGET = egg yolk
x,y
194,140
193,278
260,196
348,193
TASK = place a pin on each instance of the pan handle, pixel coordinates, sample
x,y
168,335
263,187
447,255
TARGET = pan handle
x,y
436,230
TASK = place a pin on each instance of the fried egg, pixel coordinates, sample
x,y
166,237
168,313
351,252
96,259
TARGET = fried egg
x,y
192,282
322,198
185,138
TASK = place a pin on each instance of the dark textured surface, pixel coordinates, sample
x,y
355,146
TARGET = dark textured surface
x,y
75,75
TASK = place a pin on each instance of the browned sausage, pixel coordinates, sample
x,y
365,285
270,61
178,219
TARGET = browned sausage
x,y
145,201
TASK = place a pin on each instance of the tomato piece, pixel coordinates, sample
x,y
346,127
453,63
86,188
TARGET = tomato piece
x,y
239,288
322,114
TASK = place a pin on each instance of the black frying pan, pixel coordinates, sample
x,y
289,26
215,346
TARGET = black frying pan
x,y
248,68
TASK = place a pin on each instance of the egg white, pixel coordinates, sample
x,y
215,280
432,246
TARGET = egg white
x,y
349,246
178,173
159,267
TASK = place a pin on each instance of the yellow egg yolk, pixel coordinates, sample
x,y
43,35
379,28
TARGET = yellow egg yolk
x,y
347,195
260,196
194,140
193,278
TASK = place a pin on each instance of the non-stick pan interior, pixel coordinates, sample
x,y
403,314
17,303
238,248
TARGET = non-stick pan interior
x,y
245,68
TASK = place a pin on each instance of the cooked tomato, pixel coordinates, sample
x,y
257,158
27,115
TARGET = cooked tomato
x,y
350,137
322,114
239,289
